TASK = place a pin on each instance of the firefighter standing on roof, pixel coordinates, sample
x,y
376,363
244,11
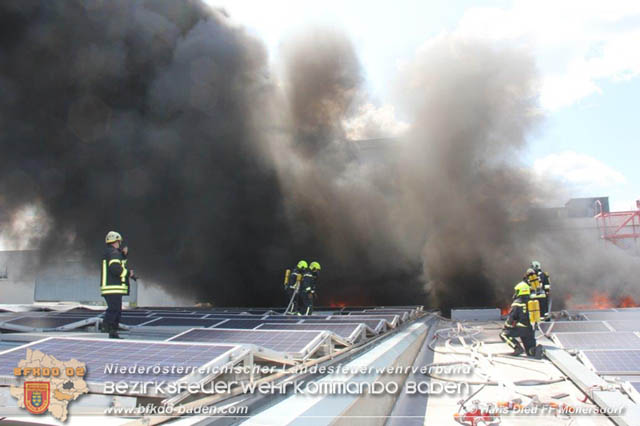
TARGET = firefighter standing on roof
x,y
309,285
518,324
114,281
537,292
545,283
295,279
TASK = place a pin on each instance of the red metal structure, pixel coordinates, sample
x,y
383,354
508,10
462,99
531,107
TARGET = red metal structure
x,y
619,228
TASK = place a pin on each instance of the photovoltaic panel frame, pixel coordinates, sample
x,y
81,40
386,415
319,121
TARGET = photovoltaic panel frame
x,y
612,362
605,316
574,327
353,332
180,322
97,354
624,325
37,322
611,340
296,344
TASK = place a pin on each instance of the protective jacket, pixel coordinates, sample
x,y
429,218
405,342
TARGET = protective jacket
x,y
545,282
115,275
309,281
518,315
296,274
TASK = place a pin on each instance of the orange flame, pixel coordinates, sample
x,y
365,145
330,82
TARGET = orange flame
x,y
628,302
601,300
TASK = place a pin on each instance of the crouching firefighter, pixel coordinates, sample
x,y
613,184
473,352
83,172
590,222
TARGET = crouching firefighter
x,y
518,325
309,286
292,282
114,281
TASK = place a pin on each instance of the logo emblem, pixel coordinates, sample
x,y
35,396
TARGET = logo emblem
x,y
36,396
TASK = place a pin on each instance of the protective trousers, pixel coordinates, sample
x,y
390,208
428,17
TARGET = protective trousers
x,y
307,302
526,334
295,306
113,312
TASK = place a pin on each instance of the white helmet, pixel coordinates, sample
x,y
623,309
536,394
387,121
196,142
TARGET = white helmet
x,y
536,265
112,237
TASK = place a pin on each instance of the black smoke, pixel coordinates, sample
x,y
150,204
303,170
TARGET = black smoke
x,y
155,118
162,120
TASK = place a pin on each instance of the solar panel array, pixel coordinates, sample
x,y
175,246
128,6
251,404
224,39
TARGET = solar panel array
x,y
180,322
615,315
615,352
288,341
624,325
44,321
621,340
343,330
613,361
573,326
97,353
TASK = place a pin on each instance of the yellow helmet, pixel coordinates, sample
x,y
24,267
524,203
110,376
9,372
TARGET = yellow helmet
x,y
522,289
302,265
112,237
314,266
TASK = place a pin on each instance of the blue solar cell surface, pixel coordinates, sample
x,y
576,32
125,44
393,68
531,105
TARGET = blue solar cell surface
x,y
99,353
614,361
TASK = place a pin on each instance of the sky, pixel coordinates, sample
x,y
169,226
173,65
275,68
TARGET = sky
x,y
587,54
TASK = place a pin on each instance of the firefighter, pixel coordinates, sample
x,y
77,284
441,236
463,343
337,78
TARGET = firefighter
x,y
546,287
114,281
295,278
537,291
518,325
309,283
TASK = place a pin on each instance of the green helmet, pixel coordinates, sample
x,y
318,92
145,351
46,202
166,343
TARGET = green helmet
x,y
522,289
314,266
302,265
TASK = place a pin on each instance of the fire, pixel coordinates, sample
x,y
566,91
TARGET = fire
x,y
628,302
337,304
505,310
601,300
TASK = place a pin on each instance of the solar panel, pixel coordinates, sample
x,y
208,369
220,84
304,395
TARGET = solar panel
x,y
181,322
343,330
98,353
179,315
297,317
627,315
44,321
612,361
240,323
377,325
611,340
391,319
76,314
576,326
281,341
134,320
233,316
624,325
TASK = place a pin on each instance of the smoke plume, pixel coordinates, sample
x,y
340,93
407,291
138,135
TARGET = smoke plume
x,y
163,121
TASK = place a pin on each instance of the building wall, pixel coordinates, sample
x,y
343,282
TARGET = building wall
x,y
27,280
